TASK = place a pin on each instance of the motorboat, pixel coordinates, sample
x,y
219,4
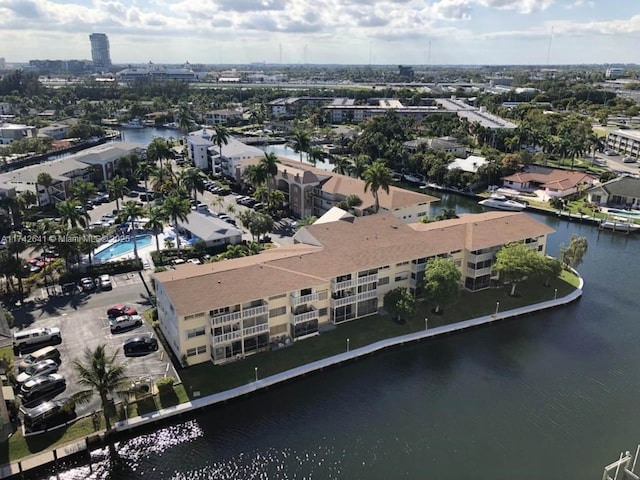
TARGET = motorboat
x,y
171,125
134,123
619,224
502,203
413,178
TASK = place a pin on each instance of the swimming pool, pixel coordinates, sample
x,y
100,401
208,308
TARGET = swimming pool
x,y
623,213
122,247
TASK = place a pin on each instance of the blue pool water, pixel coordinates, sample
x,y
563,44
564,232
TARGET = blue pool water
x,y
623,213
122,247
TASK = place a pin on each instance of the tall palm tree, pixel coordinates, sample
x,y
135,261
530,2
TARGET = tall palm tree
x,y
184,118
72,213
301,142
82,191
360,165
144,170
164,180
256,175
156,217
176,208
158,150
117,188
192,180
45,180
220,136
377,177
40,242
102,374
16,245
341,166
269,164
315,154
132,211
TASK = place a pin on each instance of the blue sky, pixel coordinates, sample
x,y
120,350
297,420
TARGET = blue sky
x,y
333,31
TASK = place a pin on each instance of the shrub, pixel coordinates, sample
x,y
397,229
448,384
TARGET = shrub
x,y
165,385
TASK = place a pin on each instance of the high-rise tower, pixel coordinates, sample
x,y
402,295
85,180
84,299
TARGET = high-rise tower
x,y
100,50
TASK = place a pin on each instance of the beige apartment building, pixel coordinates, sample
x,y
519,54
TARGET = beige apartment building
x,y
338,270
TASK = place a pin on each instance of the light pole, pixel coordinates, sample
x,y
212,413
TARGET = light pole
x,y
347,344
256,370
555,294
497,307
426,323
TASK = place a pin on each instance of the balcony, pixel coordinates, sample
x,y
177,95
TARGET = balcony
x,y
341,302
304,317
368,279
367,295
255,311
342,285
225,318
226,338
255,330
300,300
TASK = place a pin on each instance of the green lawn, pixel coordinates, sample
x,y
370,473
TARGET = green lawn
x,y
208,379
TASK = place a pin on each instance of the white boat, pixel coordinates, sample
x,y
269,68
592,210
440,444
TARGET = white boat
x,y
413,178
134,123
502,203
171,125
619,224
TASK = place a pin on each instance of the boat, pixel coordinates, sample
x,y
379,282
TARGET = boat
x,y
414,178
134,123
502,203
619,224
171,125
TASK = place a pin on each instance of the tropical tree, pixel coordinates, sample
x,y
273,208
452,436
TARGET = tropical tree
x,y
103,375
350,202
256,175
40,242
156,217
72,213
83,191
315,154
269,165
176,208
399,303
131,210
516,262
377,177
158,150
234,251
341,166
164,180
441,281
184,118
550,268
221,136
144,170
16,244
301,142
117,189
45,180
573,255
359,166
192,180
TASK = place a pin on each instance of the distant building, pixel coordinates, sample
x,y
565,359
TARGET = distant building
x,y
625,142
615,72
443,144
100,51
205,154
215,117
10,132
469,164
405,72
3,63
57,131
210,229
156,73
548,182
621,191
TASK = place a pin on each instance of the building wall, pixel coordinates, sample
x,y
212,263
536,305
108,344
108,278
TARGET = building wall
x,y
624,143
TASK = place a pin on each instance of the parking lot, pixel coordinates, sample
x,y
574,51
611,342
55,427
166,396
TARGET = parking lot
x,y
83,323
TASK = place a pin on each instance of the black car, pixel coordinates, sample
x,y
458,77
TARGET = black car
x,y
139,346
44,387
48,414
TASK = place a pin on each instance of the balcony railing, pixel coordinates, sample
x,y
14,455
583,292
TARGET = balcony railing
x,y
368,279
255,330
341,302
367,295
255,311
342,285
304,317
299,300
227,337
227,317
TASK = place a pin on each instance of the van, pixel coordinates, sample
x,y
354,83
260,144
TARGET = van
x,y
48,414
46,353
26,338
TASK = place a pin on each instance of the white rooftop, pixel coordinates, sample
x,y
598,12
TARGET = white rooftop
x,y
208,227
469,164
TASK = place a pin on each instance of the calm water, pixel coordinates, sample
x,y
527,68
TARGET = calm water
x,y
123,246
146,135
548,396
283,151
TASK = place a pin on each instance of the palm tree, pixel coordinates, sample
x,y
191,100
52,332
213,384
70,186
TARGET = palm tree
x,y
45,180
315,154
269,164
143,170
220,135
164,180
377,177
132,211
184,118
193,181
341,166
234,251
176,208
82,191
360,165
158,150
71,212
41,234
103,375
301,142
16,245
256,175
117,188
156,217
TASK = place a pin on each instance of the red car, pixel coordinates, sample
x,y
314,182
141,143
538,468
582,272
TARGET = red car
x,y
119,310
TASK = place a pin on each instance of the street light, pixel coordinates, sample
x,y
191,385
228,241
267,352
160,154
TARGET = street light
x,y
555,294
497,307
256,370
426,323
347,344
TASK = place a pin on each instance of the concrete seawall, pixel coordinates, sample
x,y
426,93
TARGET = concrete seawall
x,y
52,456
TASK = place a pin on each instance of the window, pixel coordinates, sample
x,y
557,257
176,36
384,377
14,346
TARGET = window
x,y
196,332
196,351
402,276
402,264
383,281
322,312
276,312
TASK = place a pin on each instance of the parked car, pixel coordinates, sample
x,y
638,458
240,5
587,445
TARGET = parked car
x,y
45,367
34,336
45,353
119,310
609,153
629,160
48,414
139,346
124,322
40,387
105,282
88,284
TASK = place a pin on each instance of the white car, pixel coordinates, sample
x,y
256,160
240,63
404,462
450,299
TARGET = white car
x,y
45,367
105,282
124,322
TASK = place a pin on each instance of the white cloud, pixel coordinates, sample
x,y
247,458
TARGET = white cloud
x,y
521,6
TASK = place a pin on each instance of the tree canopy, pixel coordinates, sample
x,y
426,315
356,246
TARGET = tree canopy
x,y
441,281
517,262
399,303
572,255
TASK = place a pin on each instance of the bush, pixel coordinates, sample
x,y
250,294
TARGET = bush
x,y
8,316
165,385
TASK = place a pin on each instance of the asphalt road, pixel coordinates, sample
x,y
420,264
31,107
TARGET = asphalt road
x,y
84,324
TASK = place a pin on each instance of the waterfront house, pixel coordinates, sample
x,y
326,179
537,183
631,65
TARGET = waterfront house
x,y
10,132
213,231
104,158
548,182
337,271
620,192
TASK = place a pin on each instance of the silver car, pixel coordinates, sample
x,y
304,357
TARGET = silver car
x,y
44,367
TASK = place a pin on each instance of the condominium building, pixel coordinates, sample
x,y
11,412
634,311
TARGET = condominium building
x,y
228,160
339,269
100,51
10,132
625,142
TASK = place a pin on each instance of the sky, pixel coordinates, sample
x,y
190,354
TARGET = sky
x,y
415,32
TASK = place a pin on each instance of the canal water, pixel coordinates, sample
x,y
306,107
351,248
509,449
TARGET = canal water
x,y
551,395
